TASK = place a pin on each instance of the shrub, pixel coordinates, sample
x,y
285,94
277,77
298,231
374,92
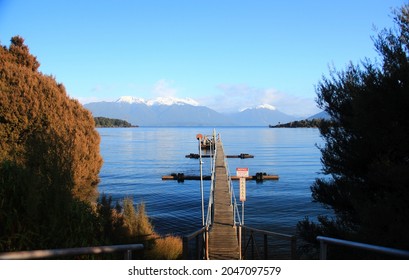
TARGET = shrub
x,y
166,248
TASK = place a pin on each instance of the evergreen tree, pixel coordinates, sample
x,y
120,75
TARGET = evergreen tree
x,y
366,152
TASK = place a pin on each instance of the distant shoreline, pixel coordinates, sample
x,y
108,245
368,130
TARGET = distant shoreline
x,y
314,123
102,122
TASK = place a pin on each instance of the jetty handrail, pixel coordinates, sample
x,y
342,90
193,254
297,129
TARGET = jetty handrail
x,y
197,234
55,253
236,213
324,241
272,233
265,233
233,200
209,217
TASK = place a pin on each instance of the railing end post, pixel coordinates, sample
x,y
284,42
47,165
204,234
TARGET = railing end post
x,y
293,247
185,253
323,248
128,255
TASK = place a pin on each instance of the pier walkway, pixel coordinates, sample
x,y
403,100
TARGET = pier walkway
x,y
223,236
223,243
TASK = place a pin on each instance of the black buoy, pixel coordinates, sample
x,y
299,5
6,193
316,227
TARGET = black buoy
x,y
181,177
259,177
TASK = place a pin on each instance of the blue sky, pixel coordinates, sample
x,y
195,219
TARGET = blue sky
x,y
227,55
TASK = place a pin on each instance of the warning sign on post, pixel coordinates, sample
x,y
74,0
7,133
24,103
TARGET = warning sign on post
x,y
242,172
242,189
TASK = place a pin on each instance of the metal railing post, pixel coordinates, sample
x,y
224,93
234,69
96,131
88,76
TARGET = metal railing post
x,y
185,248
252,244
323,250
207,242
265,247
293,248
240,229
244,239
128,255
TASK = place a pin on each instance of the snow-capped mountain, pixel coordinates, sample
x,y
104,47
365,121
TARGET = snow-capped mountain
x,y
171,111
161,111
169,101
263,106
130,100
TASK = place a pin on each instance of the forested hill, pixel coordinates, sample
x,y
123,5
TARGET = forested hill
x,y
107,122
314,123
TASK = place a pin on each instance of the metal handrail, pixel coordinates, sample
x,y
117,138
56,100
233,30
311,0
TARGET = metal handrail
x,y
189,237
272,233
209,219
55,253
368,247
265,233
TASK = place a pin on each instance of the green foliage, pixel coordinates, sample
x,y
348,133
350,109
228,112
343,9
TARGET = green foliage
x,y
366,152
107,122
314,123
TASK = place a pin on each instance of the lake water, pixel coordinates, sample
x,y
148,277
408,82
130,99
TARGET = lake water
x,y
135,159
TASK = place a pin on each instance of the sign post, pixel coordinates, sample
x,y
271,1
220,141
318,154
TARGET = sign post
x,y
242,173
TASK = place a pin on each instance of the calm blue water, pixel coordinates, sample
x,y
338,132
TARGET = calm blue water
x,y
135,159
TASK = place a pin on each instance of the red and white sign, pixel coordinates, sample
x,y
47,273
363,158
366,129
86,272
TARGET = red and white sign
x,y
242,189
242,172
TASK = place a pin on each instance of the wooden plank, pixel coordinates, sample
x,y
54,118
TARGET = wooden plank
x,y
223,244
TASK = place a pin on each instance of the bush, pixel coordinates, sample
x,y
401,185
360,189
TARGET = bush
x,y
166,248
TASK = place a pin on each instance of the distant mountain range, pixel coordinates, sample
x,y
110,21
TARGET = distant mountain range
x,y
321,115
169,111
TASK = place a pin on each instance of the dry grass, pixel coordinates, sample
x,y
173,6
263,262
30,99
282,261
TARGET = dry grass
x,y
140,229
166,248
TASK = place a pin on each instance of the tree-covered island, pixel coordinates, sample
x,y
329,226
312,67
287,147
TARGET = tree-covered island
x,y
314,123
108,122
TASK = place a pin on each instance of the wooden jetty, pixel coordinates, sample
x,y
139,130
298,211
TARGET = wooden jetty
x,y
223,242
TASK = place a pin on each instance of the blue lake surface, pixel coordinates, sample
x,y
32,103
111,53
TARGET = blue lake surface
x,y
135,159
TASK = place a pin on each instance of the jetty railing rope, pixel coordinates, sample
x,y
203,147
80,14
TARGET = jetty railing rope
x,y
324,241
56,253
